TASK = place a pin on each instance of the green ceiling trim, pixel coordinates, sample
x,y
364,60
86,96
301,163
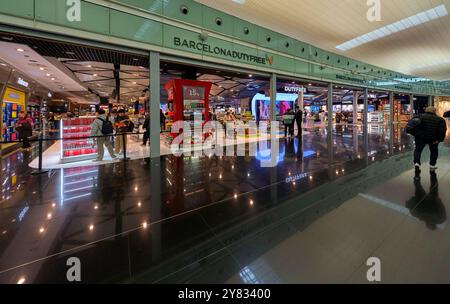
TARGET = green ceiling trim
x,y
176,24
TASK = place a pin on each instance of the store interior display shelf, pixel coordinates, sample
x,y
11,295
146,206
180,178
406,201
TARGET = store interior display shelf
x,y
77,148
75,126
78,157
78,133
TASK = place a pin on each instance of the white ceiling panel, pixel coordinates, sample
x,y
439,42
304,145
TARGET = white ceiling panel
x,y
329,23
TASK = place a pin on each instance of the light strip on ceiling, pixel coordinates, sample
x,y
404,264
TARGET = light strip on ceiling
x,y
404,24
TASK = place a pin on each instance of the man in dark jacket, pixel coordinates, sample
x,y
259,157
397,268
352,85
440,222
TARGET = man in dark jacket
x,y
431,132
146,127
299,120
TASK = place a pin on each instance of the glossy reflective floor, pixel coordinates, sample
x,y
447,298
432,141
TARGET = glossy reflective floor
x,y
206,219
402,222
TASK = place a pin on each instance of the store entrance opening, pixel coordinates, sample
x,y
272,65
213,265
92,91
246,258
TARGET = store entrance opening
x,y
71,83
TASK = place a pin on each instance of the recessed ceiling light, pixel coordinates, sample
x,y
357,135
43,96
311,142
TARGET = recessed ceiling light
x,y
95,75
70,53
89,66
20,50
53,79
48,75
3,64
41,68
134,82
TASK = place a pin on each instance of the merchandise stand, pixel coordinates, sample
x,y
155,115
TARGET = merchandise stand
x,y
189,100
77,149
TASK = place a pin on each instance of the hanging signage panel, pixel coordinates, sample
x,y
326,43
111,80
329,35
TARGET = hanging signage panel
x,y
218,21
154,6
302,67
140,29
285,64
20,8
350,78
315,71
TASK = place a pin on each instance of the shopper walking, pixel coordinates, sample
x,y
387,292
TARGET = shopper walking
x,y
103,128
299,120
288,120
146,127
25,128
430,130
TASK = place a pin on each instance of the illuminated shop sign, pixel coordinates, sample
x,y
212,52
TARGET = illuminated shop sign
x,y
207,48
22,82
292,89
193,93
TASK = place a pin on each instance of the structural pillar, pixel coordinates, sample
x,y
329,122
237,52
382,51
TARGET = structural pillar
x,y
273,97
2,93
366,106
154,104
330,131
411,103
274,156
391,123
355,107
391,107
156,172
366,125
430,101
301,99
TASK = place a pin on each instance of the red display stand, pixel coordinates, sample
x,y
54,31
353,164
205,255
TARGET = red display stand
x,y
188,98
74,147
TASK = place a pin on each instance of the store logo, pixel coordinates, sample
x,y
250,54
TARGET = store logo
x,y
374,12
73,11
208,49
73,274
374,271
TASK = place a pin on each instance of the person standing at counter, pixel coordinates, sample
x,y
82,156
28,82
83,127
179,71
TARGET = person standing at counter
x,y
101,127
25,128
